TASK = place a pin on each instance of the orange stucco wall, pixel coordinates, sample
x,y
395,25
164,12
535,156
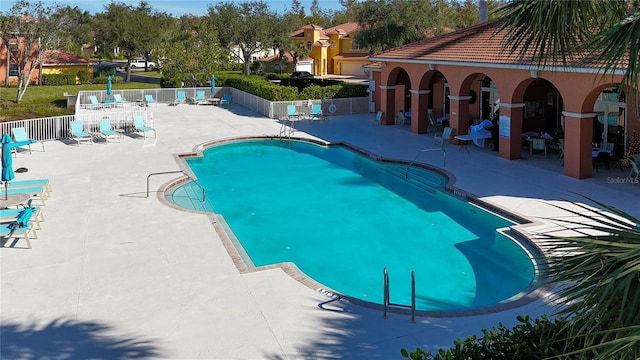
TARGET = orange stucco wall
x,y
517,89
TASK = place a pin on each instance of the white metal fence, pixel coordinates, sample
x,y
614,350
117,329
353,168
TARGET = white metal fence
x,y
57,127
121,114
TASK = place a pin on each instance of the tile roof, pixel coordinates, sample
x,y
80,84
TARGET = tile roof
x,y
345,30
482,43
59,57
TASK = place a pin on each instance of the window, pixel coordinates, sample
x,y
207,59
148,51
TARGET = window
x,y
354,45
333,44
308,45
13,70
13,45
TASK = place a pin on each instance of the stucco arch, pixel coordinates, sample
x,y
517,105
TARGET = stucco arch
x,y
395,94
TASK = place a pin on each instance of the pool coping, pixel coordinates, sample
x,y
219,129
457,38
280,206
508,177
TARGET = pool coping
x,y
535,291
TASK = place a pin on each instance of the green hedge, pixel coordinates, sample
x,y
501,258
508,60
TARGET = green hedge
x,y
259,86
58,79
103,79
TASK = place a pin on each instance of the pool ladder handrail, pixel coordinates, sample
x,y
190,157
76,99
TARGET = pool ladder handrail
x,y
444,158
175,172
388,304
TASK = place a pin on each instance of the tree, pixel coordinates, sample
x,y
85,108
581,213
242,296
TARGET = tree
x,y
31,28
597,275
608,31
76,31
244,29
132,29
191,53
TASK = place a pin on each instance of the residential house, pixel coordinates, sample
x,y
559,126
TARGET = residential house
x,y
62,62
332,51
9,65
467,75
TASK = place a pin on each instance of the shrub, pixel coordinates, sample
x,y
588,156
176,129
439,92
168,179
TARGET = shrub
x,y
58,79
538,339
103,79
83,76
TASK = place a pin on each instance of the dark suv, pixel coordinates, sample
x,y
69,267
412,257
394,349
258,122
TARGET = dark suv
x,y
301,75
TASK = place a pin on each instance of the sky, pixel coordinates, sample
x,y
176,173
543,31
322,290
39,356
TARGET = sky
x,y
179,7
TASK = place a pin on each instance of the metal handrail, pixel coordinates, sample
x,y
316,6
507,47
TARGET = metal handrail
x,y
175,172
388,303
444,159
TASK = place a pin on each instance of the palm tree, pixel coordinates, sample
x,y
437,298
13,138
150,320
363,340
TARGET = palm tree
x,y
558,31
598,276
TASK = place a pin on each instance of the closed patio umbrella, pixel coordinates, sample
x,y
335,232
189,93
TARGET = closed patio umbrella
x,y
7,161
109,85
213,84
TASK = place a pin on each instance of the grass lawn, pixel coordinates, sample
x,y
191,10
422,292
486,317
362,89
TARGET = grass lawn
x,y
44,101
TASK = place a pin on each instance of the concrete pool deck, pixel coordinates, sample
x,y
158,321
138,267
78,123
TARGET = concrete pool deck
x,y
114,274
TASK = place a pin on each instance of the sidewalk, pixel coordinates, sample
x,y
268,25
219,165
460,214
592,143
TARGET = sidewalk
x,y
114,274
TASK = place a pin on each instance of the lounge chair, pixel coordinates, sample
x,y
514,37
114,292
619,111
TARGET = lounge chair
x,y
118,99
20,227
292,112
180,98
107,131
148,99
11,215
78,133
378,119
38,191
445,135
226,99
316,112
20,134
95,104
44,183
200,97
138,124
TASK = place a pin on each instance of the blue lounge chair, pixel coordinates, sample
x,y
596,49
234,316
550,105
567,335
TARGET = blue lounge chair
x,y
148,99
200,97
180,98
292,112
11,215
226,99
316,112
107,131
38,191
118,99
32,183
95,104
20,134
77,132
20,227
139,125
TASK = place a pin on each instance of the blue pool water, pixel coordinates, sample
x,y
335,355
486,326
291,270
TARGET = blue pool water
x,y
342,218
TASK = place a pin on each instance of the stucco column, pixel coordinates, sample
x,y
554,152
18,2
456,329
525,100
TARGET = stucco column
x,y
459,115
578,130
419,106
510,127
387,102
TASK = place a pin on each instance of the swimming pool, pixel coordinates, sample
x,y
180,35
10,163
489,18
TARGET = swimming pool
x,y
342,218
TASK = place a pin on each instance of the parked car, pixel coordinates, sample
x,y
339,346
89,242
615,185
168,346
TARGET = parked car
x,y
301,75
139,64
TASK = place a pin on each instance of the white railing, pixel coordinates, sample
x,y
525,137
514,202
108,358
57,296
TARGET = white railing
x,y
278,109
121,114
57,127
